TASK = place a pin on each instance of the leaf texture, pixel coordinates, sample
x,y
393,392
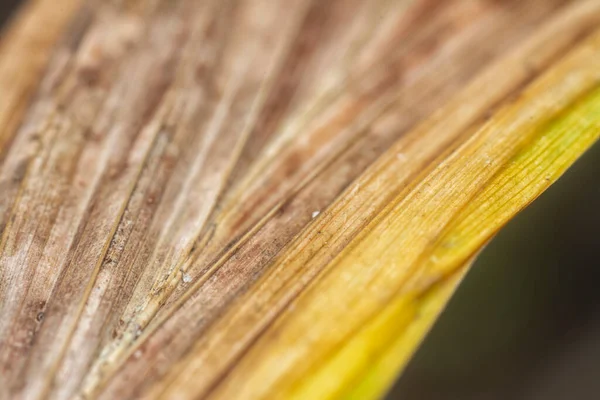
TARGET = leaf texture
x,y
253,199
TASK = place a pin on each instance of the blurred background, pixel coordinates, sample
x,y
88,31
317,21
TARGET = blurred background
x,y
525,323
6,8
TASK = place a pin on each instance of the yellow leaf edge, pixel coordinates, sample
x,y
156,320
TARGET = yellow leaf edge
x,y
399,330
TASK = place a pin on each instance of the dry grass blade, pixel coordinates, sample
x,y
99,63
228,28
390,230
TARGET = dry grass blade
x,y
256,199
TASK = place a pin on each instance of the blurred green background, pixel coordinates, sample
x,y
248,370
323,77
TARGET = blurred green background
x,y
525,323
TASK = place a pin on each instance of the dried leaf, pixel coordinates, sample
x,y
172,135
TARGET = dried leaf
x,y
257,199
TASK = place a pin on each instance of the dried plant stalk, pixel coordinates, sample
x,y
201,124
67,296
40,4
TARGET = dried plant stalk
x,y
257,199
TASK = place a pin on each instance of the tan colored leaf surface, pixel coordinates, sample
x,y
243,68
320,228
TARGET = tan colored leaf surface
x,y
257,199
